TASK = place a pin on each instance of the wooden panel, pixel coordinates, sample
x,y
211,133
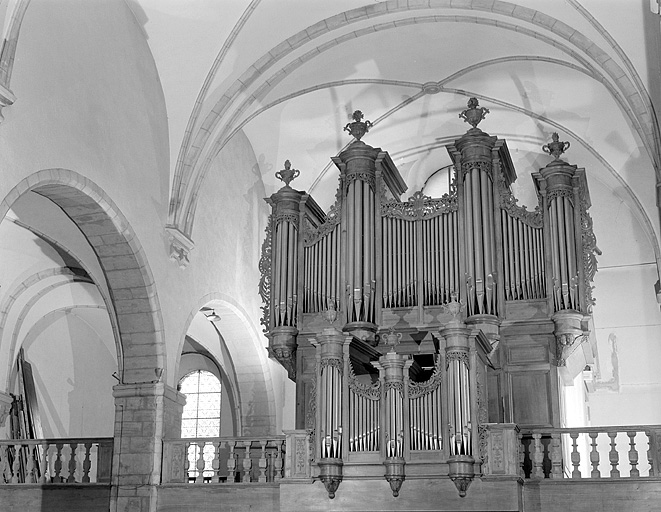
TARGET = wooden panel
x,y
55,498
530,395
527,354
604,495
495,402
226,497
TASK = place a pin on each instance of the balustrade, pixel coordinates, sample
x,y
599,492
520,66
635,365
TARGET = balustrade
x,y
55,461
224,460
590,452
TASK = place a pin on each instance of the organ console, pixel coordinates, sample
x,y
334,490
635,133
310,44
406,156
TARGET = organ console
x,y
409,324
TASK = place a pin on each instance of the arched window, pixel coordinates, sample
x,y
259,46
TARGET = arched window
x,y
201,417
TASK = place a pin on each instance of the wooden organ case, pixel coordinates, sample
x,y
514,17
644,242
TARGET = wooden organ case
x,y
410,325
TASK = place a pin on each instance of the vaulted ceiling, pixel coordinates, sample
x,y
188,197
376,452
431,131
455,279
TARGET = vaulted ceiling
x,y
288,74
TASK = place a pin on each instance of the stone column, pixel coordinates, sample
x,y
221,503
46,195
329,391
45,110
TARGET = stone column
x,y
144,414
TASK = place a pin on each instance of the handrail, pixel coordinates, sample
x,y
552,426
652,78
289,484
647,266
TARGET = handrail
x,y
56,461
224,459
586,452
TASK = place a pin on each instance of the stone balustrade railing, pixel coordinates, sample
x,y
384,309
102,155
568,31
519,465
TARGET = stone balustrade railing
x,y
224,460
55,461
590,452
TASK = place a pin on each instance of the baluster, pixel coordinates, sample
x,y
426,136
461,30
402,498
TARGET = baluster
x,y
16,466
247,462
231,462
215,463
633,455
575,456
58,463
29,473
594,455
200,462
4,476
613,456
43,462
187,462
522,456
555,454
650,453
278,463
72,463
262,462
537,456
87,463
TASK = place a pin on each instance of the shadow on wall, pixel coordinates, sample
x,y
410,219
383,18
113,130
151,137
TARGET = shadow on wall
x,y
72,368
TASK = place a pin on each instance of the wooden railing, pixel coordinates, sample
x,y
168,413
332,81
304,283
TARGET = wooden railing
x,y
224,460
590,452
55,461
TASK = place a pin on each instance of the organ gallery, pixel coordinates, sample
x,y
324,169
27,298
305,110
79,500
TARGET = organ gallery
x,y
410,322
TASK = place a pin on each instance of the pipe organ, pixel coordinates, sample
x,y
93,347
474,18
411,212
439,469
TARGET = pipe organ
x,y
408,324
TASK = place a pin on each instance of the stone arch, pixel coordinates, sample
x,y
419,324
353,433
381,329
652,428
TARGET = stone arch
x,y
132,304
256,401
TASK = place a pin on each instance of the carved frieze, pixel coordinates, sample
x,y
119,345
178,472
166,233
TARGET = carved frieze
x,y
480,165
420,206
457,355
333,362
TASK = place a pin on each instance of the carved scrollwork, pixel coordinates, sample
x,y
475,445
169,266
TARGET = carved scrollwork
x,y
265,279
508,203
590,250
371,390
420,206
312,235
457,355
418,389
482,419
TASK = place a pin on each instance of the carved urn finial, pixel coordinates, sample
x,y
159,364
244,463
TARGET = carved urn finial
x,y
359,127
555,148
474,114
391,338
287,175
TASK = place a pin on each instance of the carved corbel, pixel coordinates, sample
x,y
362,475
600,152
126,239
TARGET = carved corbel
x,y
395,474
331,475
565,344
283,348
461,472
180,246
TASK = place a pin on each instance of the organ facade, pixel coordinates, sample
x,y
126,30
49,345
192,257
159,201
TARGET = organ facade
x,y
410,325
